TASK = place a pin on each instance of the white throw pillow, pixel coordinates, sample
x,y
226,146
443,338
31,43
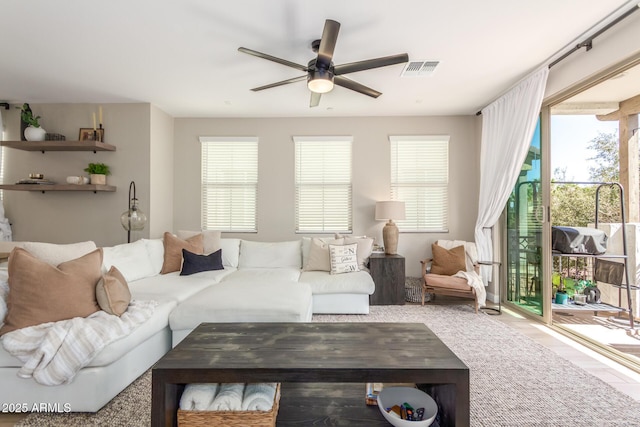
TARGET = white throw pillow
x,y
230,252
210,239
344,258
270,254
132,259
56,254
365,246
318,258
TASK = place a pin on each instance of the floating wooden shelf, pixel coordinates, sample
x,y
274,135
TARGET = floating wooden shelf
x,y
58,145
58,187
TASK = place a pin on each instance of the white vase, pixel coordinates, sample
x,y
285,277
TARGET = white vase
x,y
34,134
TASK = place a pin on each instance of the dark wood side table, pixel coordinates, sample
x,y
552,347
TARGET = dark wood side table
x,y
388,274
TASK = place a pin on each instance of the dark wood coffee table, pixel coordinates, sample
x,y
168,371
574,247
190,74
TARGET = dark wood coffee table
x,y
308,358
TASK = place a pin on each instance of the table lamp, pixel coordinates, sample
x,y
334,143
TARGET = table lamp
x,y
390,210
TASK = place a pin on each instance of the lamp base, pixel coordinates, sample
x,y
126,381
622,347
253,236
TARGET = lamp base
x,y
390,238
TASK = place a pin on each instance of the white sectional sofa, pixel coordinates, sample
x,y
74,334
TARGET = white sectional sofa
x,y
260,282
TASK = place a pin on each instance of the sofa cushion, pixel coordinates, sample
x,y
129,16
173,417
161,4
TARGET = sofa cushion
x,y
40,292
173,247
131,259
155,250
112,292
447,261
230,252
55,254
194,263
264,275
210,239
270,254
323,282
265,301
344,258
173,287
318,257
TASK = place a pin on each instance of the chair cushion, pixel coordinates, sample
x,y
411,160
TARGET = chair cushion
x,y
447,261
447,282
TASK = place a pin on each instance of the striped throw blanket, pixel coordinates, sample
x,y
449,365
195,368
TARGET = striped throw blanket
x,y
52,353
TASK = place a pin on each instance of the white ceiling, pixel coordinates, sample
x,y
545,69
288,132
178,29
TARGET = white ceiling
x,y
182,55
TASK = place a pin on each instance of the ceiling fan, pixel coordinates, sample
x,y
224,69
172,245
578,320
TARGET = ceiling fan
x,y
322,74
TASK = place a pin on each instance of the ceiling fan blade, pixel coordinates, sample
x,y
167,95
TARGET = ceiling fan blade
x,y
315,99
368,64
328,42
284,82
273,58
350,84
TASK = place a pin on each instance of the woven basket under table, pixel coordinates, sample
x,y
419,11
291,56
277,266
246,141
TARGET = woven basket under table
x,y
231,418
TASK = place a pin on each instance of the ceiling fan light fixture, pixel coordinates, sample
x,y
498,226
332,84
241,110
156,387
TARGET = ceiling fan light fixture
x,y
320,81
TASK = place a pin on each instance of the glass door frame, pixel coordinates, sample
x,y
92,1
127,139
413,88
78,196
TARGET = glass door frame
x,y
545,186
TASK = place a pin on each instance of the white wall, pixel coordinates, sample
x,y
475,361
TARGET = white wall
x,y
371,172
64,217
160,211
613,46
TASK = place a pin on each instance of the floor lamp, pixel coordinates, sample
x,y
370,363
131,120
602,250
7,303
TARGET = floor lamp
x,y
133,218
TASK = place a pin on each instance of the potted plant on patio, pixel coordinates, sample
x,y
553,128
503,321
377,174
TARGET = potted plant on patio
x,y
98,173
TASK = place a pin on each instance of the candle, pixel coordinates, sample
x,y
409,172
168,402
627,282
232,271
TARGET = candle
x,y
94,121
100,115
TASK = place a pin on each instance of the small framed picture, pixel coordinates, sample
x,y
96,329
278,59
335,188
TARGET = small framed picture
x,y
88,134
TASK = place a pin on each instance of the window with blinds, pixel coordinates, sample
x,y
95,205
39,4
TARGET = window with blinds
x,y
420,178
229,183
323,184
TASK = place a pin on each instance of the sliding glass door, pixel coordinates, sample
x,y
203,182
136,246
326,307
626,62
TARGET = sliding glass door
x,y
525,217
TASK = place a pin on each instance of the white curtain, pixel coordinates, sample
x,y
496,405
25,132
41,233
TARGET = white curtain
x,y
507,128
1,125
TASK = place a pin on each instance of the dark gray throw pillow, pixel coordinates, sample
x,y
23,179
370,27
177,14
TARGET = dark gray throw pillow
x,y
194,263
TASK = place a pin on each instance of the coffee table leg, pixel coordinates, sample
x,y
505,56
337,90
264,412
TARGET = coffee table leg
x,y
164,402
453,403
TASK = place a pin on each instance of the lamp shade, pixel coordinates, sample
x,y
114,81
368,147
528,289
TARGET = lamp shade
x,y
133,219
390,209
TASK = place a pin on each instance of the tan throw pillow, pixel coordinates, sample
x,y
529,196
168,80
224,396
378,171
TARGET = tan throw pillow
x,y
447,261
318,258
173,247
41,293
112,292
211,239
344,258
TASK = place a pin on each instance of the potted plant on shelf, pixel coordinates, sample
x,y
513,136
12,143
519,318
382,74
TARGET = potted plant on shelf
x,y
98,173
33,131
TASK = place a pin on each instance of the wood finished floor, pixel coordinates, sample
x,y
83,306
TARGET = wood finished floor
x,y
618,376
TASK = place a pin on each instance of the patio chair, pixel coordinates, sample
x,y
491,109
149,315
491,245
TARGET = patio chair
x,y
449,257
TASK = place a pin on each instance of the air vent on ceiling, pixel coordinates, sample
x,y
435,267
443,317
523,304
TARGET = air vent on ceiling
x,y
419,68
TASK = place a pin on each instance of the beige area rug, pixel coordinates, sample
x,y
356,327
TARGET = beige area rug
x,y
514,380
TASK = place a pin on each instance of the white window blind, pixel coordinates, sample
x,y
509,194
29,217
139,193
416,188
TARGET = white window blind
x,y
323,184
229,183
420,178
